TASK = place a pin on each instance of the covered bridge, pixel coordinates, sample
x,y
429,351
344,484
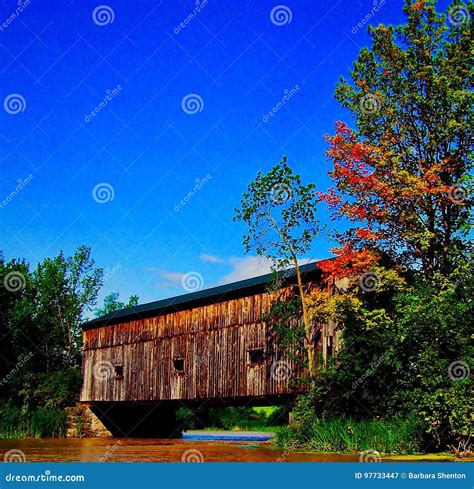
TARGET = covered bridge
x,y
141,363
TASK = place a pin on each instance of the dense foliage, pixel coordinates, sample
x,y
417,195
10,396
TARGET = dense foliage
x,y
402,176
402,187
41,313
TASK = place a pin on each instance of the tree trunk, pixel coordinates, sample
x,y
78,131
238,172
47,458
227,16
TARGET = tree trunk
x,y
308,329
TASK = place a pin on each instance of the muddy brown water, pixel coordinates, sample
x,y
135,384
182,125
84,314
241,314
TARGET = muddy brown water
x,y
164,450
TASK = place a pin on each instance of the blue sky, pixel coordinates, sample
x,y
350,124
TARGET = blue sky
x,y
135,64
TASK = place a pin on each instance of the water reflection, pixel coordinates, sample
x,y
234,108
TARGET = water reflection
x,y
161,450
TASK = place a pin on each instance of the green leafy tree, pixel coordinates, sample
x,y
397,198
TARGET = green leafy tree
x,y
280,213
67,288
112,304
403,175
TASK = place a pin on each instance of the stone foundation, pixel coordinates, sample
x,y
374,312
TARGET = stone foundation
x,y
83,423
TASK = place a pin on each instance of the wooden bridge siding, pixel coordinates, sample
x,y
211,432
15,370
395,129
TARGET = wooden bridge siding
x,y
221,370
213,340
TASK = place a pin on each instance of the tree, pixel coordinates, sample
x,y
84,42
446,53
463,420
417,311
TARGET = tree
x,y
402,177
281,216
112,304
40,316
67,287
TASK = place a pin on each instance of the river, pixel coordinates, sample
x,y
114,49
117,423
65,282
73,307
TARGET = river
x,y
194,447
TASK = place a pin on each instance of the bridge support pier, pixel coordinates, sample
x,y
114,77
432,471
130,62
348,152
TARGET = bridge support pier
x,y
138,420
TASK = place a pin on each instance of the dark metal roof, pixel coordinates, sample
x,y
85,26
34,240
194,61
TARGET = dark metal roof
x,y
202,297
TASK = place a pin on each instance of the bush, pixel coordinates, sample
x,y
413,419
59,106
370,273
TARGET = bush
x,y
349,435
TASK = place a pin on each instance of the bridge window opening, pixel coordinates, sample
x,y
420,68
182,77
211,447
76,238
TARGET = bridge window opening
x,y
119,371
256,357
178,364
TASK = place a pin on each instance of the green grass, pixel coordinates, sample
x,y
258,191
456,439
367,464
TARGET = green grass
x,y
42,422
245,427
347,435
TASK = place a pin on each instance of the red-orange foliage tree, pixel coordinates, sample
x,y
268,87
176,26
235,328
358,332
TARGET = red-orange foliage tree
x,y
401,178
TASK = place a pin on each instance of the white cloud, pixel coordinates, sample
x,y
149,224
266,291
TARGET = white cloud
x,y
211,259
248,267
